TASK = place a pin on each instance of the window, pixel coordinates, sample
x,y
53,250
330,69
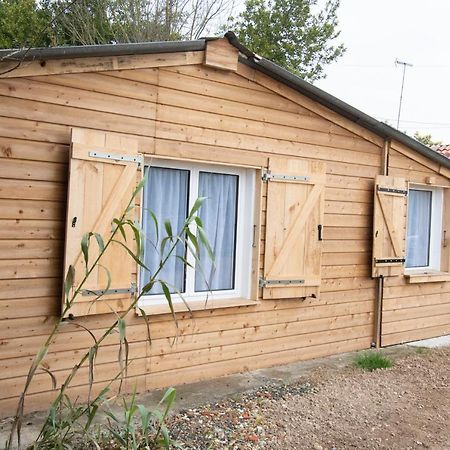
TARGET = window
x,y
424,228
226,214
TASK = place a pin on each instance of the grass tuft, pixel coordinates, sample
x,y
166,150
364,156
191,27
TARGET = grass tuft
x,y
422,350
371,361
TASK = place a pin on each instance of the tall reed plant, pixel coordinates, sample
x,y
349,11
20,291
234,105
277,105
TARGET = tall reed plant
x,y
64,416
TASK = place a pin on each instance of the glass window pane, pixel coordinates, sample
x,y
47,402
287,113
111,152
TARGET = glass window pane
x,y
219,216
419,228
165,194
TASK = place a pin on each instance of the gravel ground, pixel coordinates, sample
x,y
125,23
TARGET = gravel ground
x,y
405,407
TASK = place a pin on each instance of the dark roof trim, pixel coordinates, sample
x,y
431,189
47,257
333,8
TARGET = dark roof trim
x,y
249,58
85,51
314,93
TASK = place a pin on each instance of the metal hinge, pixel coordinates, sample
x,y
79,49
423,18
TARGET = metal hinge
x,y
392,190
115,157
264,283
389,260
267,176
130,290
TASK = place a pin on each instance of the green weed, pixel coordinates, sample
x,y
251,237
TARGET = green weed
x,y
422,350
371,361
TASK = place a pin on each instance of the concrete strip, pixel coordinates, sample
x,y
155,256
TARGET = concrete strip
x,y
441,341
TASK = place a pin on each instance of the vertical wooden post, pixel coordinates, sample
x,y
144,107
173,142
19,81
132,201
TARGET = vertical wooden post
x,y
380,280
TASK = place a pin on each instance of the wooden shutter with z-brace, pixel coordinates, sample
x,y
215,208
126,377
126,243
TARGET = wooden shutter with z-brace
x,y
294,222
389,226
103,177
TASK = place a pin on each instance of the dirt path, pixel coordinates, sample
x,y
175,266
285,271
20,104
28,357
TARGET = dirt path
x,y
406,407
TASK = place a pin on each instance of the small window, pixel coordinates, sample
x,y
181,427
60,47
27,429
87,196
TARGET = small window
x,y
226,214
424,228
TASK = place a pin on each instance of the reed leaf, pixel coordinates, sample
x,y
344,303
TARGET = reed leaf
x,y
204,240
68,282
53,378
91,362
85,248
155,220
147,324
100,242
120,228
168,298
168,228
195,207
135,258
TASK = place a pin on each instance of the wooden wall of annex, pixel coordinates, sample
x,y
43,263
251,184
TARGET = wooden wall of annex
x,y
415,311
186,111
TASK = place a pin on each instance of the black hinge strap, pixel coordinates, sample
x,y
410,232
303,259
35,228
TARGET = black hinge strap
x,y
389,260
392,190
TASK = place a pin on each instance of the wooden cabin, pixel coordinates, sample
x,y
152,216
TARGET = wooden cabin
x,y
330,228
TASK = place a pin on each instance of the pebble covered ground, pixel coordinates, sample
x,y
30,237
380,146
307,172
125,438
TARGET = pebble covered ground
x,y
405,407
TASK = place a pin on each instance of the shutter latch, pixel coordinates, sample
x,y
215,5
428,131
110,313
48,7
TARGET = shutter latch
x,y
267,283
268,175
97,292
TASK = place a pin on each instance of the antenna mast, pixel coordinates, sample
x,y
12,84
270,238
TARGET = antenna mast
x,y
405,65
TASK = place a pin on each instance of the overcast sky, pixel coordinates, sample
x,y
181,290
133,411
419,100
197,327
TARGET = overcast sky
x,y
376,33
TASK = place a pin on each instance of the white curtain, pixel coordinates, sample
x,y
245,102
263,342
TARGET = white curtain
x,y
419,228
166,194
219,215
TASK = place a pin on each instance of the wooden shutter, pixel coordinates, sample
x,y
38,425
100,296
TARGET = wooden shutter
x,y
293,247
100,188
389,226
445,251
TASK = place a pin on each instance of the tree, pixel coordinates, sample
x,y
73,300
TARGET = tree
x,y
21,24
26,23
291,34
426,139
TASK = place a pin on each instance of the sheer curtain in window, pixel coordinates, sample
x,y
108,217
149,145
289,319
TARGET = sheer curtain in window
x,y
166,194
219,216
419,228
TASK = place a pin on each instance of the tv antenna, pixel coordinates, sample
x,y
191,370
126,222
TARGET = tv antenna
x,y
405,65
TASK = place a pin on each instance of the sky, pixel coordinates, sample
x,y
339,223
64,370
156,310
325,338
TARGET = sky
x,y
376,33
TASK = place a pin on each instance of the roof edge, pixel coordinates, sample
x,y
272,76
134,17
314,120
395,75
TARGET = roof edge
x,y
324,98
85,51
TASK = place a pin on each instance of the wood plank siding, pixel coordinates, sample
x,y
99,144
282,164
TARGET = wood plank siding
x,y
203,114
414,311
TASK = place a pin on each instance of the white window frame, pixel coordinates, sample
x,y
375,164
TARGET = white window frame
x,y
436,226
244,234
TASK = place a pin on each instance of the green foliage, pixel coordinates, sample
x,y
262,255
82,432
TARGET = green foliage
x,y
137,427
372,360
422,350
26,23
426,139
128,426
85,22
291,34
21,24
67,422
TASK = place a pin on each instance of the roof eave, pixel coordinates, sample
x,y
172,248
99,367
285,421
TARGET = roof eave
x,y
88,51
314,93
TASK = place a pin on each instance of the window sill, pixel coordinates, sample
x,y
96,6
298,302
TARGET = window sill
x,y
431,276
152,310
